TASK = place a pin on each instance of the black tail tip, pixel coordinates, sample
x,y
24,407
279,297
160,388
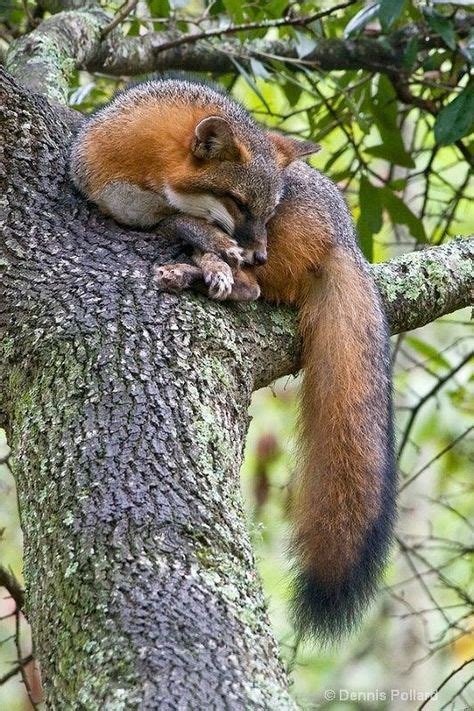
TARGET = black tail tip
x,y
329,612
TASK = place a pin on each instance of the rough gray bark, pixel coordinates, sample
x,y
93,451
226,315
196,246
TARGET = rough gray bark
x,y
126,411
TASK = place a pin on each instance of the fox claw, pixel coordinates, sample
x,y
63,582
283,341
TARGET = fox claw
x,y
170,278
234,256
220,281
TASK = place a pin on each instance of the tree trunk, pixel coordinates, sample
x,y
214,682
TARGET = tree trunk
x,y
126,410
127,414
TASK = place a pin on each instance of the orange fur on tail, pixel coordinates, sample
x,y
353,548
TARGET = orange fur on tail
x,y
343,496
342,504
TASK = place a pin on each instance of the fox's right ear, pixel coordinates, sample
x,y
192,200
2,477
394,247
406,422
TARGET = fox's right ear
x,y
214,139
289,149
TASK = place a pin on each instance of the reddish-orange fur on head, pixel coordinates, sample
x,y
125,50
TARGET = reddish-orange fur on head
x,y
148,146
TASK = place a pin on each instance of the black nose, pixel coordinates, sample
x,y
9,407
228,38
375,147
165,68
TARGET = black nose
x,y
260,257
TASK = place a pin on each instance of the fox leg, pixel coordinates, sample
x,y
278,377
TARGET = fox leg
x,y
245,287
212,277
217,275
203,237
178,277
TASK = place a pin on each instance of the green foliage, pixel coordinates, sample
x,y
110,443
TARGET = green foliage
x,y
389,12
380,140
457,118
442,25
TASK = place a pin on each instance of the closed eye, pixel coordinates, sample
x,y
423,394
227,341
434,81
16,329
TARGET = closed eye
x,y
242,206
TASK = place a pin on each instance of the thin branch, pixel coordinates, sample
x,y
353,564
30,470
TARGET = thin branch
x,y
16,669
445,681
286,21
21,665
121,15
434,459
431,393
458,693
11,584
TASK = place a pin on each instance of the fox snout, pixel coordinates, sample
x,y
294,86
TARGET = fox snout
x,y
255,255
258,246
252,237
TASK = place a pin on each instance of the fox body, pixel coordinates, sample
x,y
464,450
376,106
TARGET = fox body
x,y
175,147
343,495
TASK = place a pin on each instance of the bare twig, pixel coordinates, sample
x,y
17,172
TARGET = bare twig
x,y
121,15
11,584
444,682
21,665
286,21
16,669
434,459
426,397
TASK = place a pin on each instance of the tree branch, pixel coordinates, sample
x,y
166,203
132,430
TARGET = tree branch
x,y
121,15
44,59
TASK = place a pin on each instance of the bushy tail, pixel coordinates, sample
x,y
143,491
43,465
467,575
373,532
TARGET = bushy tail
x,y
343,500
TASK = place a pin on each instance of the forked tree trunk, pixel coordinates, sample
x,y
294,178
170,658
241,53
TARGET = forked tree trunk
x,y
126,411
127,414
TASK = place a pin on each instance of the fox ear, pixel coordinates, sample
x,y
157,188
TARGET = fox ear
x,y
289,149
214,139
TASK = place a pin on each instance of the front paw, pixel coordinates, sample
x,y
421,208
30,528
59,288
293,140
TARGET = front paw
x,y
219,279
234,256
171,278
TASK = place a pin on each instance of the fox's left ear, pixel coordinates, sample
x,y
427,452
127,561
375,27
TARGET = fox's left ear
x,y
289,149
214,139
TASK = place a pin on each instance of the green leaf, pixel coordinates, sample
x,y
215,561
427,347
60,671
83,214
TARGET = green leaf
x,y
389,12
360,19
455,119
234,9
392,150
401,214
385,106
370,217
292,92
411,53
159,8
428,352
398,184
442,26
435,60
252,84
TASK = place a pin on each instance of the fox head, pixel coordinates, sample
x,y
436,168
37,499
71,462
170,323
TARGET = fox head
x,y
185,146
235,179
